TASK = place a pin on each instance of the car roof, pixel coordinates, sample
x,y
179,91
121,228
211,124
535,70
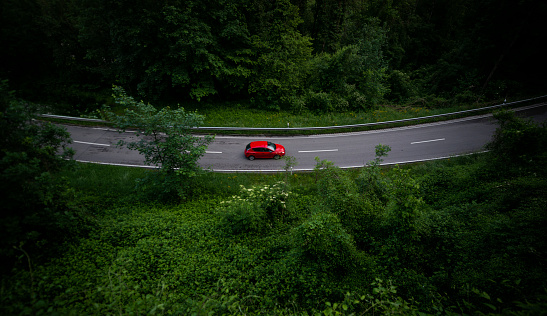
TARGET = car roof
x,y
259,144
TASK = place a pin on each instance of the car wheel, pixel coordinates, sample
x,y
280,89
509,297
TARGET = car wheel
x,y
251,158
277,157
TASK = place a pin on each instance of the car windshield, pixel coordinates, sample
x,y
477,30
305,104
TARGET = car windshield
x,y
271,146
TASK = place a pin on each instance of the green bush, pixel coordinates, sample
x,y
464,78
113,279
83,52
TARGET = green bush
x,y
401,87
243,217
256,208
517,141
323,239
351,78
36,202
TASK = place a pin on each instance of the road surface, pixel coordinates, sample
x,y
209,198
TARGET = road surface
x,y
347,150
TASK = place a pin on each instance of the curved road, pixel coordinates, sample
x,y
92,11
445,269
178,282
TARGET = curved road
x,y
408,144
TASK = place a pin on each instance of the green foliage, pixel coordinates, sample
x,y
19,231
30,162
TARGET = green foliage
x,y
256,209
323,239
406,202
401,87
243,218
281,54
383,300
459,236
336,188
351,78
166,141
371,182
193,48
253,253
517,141
34,199
68,52
207,40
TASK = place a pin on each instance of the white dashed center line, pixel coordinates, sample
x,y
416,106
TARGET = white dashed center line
x,y
428,141
316,151
96,144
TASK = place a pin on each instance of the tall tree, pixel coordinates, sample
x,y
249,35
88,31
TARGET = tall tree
x,y
166,140
281,55
185,47
34,200
24,54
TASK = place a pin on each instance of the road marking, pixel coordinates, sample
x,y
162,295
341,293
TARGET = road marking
x,y
213,152
279,170
428,141
118,164
96,144
316,151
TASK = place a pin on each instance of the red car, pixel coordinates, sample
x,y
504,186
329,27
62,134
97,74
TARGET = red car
x,y
263,149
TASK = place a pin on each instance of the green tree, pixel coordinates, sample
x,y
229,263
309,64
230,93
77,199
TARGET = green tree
x,y
23,44
34,198
353,77
281,56
182,48
517,141
371,182
322,239
31,151
328,23
166,139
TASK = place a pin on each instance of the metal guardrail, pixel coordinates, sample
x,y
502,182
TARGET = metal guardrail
x,y
72,118
422,118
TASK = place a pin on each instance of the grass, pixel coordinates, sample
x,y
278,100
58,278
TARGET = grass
x,y
242,115
114,184
103,180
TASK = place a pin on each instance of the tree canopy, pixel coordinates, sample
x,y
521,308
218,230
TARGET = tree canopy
x,y
165,140
293,54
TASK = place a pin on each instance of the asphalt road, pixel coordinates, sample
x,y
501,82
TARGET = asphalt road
x,y
408,144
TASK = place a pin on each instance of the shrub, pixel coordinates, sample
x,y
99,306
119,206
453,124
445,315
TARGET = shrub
x,y
255,208
370,182
243,217
322,238
35,200
517,141
401,87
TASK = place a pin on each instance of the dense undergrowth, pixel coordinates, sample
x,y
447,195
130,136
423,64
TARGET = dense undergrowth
x,y
460,236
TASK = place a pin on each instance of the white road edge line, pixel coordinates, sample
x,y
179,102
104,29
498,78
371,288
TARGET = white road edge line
x,y
281,170
348,167
118,164
428,141
316,151
96,144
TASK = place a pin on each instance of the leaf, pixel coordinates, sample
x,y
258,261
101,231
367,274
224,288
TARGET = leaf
x,y
491,306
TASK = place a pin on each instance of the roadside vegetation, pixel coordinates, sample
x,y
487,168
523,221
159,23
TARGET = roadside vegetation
x,y
460,236
243,115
